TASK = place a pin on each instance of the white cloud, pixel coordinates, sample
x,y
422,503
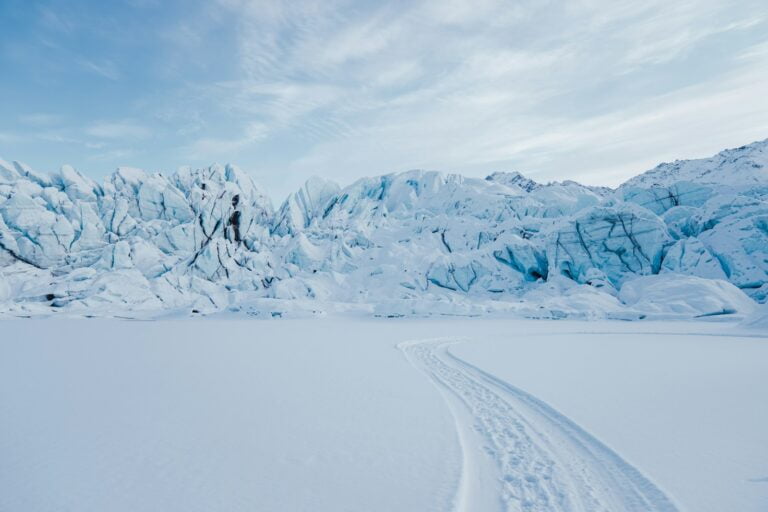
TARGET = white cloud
x,y
40,119
112,155
678,27
692,122
596,89
118,130
55,21
215,147
7,138
106,68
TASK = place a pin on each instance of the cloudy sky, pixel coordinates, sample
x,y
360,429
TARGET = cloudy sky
x,y
593,90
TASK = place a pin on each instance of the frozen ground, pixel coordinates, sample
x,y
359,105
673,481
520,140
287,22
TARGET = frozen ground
x,y
401,414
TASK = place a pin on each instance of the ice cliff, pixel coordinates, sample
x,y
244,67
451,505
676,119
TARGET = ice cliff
x,y
209,240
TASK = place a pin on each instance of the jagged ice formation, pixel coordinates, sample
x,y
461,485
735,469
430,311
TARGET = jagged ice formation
x,y
209,239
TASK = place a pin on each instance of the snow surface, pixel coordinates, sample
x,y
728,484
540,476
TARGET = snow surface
x,y
687,295
209,240
743,166
373,414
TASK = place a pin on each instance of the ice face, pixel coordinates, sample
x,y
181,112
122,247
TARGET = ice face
x,y
659,199
206,238
304,206
691,257
621,240
735,230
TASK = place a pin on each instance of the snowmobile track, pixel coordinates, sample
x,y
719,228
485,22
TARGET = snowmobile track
x,y
541,460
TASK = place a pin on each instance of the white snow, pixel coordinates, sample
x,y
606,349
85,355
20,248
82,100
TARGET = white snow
x,y
686,295
743,166
365,414
684,404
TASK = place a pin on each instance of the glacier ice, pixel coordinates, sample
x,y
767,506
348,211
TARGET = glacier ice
x,y
209,240
690,257
659,199
622,240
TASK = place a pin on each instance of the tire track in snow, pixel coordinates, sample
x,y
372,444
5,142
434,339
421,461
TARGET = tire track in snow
x,y
537,459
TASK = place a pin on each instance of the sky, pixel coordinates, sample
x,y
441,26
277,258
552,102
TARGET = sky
x,y
591,90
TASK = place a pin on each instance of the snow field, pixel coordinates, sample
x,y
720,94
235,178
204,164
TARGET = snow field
x,y
339,414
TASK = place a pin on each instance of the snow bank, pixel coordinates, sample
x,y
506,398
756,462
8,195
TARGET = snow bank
x,y
758,319
689,296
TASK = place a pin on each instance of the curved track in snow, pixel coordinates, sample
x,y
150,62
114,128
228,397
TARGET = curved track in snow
x,y
521,454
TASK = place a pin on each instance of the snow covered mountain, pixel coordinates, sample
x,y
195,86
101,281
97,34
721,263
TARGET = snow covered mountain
x,y
415,242
743,166
514,179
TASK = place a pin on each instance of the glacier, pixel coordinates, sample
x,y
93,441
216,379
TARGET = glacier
x,y
199,241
